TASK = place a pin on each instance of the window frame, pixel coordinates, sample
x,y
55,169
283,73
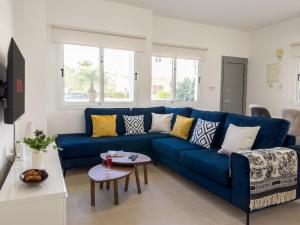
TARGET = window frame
x,y
173,101
62,104
298,82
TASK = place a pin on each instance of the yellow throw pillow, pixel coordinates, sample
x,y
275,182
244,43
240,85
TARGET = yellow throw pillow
x,y
104,125
182,127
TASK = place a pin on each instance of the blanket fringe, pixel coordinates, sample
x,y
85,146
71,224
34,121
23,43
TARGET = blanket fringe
x,y
273,199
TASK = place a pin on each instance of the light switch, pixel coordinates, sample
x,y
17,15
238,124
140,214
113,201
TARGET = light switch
x,y
211,88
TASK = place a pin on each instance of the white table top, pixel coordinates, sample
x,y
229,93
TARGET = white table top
x,y
14,189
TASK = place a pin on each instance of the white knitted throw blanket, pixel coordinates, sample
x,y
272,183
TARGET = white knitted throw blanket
x,y
273,176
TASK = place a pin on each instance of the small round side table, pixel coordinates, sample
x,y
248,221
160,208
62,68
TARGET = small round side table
x,y
99,174
142,160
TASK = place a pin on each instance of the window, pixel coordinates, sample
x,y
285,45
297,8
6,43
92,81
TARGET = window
x,y
298,87
81,73
187,73
92,74
162,73
118,75
298,84
175,80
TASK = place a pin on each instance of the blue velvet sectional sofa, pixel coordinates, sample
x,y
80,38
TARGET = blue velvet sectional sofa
x,y
205,167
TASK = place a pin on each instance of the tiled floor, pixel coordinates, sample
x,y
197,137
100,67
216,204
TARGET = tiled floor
x,y
169,199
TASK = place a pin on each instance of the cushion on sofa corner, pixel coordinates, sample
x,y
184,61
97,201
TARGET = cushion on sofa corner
x,y
105,111
204,133
212,116
182,111
147,114
182,127
238,139
104,125
161,123
272,132
134,125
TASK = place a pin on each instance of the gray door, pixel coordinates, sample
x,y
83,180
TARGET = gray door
x,y
234,83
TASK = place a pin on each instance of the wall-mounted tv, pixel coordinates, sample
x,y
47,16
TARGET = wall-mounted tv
x,y
15,84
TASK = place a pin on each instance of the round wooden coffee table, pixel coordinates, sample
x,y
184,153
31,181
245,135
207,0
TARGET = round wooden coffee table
x,y
99,174
142,160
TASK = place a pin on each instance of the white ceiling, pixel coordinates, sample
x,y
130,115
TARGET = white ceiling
x,y
237,14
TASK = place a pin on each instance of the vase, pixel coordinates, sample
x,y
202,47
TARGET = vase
x,y
38,159
92,93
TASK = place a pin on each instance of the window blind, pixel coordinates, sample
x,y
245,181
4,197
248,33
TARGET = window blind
x,y
176,51
295,49
97,39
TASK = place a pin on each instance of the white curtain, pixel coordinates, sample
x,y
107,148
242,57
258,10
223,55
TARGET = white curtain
x,y
177,51
98,39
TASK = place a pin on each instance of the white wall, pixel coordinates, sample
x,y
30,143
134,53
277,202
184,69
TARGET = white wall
x,y
30,35
94,15
219,41
6,32
263,44
111,17
26,22
33,34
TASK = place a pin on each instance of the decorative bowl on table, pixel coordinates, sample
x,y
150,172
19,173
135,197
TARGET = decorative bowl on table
x,y
34,176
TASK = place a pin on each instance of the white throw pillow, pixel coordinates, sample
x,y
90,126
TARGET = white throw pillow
x,y
238,139
161,123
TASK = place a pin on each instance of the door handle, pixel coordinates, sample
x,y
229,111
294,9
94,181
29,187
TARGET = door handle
x,y
62,72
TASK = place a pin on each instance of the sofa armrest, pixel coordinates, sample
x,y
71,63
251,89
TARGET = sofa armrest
x,y
289,140
296,148
240,181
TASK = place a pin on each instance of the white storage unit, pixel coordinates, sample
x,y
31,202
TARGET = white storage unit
x,y
22,204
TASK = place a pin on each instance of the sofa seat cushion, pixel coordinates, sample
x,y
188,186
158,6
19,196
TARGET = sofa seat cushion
x,y
82,145
171,147
208,163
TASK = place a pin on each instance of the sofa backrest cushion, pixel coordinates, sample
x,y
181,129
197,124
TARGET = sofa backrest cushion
x,y
272,132
147,114
185,111
219,117
106,111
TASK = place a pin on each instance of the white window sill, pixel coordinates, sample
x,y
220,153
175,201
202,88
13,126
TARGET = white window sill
x,y
294,103
84,105
175,104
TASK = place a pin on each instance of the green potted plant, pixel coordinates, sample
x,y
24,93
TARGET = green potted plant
x,y
39,144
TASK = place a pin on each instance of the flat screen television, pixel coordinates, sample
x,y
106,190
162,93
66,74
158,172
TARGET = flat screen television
x,y
15,84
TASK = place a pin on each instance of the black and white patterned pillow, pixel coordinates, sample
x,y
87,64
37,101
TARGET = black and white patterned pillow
x,y
134,125
204,132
